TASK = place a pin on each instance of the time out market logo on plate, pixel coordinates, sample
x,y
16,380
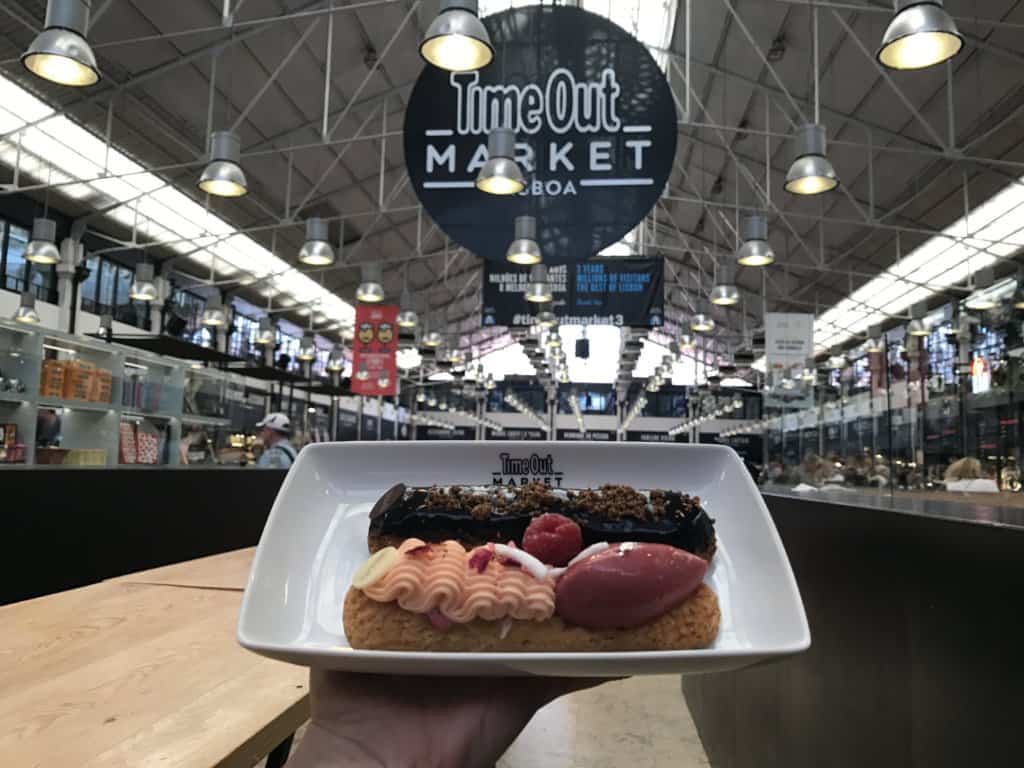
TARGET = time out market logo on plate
x,y
595,131
522,470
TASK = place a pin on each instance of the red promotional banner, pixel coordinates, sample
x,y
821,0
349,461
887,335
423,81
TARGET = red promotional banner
x,y
374,370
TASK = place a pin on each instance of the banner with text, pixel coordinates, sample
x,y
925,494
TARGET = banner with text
x,y
374,350
788,339
614,291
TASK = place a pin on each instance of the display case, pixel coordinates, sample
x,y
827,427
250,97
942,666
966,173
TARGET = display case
x,y
20,359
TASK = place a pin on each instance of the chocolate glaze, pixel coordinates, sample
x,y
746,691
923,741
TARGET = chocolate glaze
x,y
477,515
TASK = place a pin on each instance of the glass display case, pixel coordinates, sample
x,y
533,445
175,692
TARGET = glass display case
x,y
20,359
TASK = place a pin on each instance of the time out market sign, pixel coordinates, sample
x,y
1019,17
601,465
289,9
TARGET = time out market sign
x,y
595,131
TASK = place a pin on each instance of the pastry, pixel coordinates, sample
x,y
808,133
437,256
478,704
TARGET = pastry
x,y
475,515
631,596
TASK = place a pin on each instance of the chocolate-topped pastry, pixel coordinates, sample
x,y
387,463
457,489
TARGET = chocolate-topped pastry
x,y
475,515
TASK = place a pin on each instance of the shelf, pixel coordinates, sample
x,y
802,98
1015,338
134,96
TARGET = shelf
x,y
76,405
205,421
17,398
127,413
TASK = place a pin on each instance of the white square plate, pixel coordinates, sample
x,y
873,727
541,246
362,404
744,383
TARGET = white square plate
x,y
315,539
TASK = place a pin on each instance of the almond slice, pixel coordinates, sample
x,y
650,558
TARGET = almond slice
x,y
376,568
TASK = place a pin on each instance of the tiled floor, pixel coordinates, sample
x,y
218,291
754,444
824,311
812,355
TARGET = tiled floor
x,y
642,722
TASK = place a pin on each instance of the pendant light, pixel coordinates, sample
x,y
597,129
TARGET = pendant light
x,y
811,172
874,344
265,334
431,401
917,326
756,251
214,314
432,338
554,339
371,288
1018,292
538,289
982,299
307,349
317,250
421,397
456,39
702,322
143,288
223,176
524,248
26,311
501,174
920,35
42,248
407,317
725,293
547,320
60,52
686,343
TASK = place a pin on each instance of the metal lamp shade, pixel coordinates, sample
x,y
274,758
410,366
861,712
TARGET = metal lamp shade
x,y
501,174
317,250
371,288
756,251
265,334
60,53
407,317
143,288
538,289
456,39
725,293
223,176
917,328
524,249
307,350
42,249
686,342
214,315
981,301
554,341
432,339
921,35
811,172
26,311
547,319
702,323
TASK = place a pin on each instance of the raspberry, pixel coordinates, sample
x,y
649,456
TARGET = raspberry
x,y
553,539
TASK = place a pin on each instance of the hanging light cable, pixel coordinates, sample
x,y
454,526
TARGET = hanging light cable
x,y
456,39
500,174
756,251
524,248
223,175
42,248
317,250
920,35
60,52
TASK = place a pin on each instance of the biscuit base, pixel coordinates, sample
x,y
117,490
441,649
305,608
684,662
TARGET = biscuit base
x,y
370,625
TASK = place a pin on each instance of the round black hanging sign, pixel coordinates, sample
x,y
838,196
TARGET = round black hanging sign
x,y
595,127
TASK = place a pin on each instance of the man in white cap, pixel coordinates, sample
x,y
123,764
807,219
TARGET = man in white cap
x,y
275,430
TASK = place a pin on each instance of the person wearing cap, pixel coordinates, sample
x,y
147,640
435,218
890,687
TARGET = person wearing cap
x,y
278,453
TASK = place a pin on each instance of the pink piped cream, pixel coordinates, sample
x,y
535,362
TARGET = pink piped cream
x,y
440,576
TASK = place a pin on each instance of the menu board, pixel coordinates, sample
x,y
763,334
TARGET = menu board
x,y
638,436
597,435
516,434
620,292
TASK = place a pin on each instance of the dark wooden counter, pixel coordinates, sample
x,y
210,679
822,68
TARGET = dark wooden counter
x,y
916,658
64,528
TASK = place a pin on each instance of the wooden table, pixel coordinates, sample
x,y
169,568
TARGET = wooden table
x,y
143,670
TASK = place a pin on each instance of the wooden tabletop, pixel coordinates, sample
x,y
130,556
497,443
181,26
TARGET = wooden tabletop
x,y
143,670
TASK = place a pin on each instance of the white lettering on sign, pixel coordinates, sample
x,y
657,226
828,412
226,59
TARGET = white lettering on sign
x,y
563,103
